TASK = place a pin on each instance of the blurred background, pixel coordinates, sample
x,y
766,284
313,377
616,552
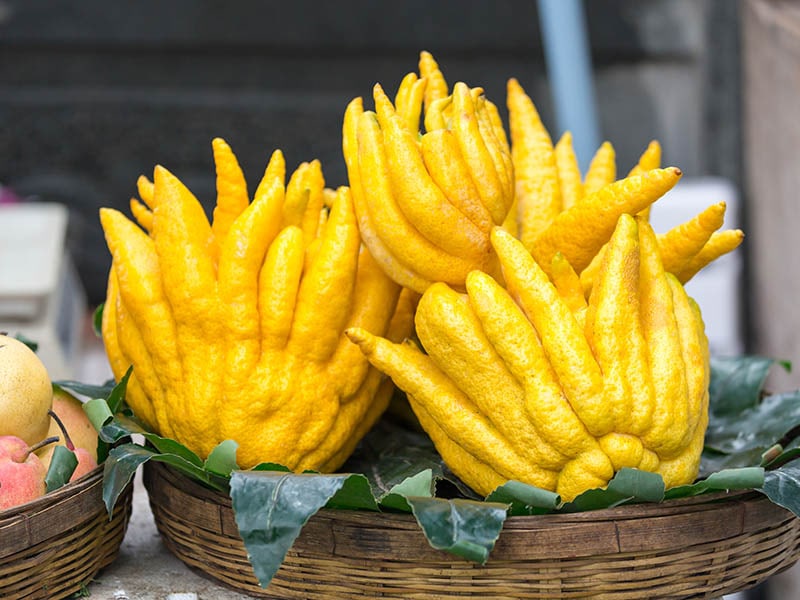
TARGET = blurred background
x,y
93,94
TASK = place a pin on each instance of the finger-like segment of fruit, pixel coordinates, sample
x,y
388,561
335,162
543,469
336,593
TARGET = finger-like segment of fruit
x,y
400,237
418,196
516,342
374,307
241,259
436,86
614,330
275,169
602,169
477,156
278,282
580,231
453,337
142,214
537,192
446,166
398,271
408,101
145,188
590,470
719,244
649,160
671,420
439,115
682,470
568,283
455,413
329,283
569,174
682,242
496,144
562,338
483,478
232,196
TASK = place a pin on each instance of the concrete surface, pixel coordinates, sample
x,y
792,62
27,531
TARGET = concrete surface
x,y
146,570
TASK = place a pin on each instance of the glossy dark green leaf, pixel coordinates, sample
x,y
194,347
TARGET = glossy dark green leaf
x,y
169,446
466,528
746,478
271,509
782,486
355,494
119,469
755,428
222,459
737,383
270,467
117,396
628,485
62,465
86,389
421,484
524,499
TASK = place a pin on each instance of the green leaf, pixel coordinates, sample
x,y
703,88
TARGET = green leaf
x,y
355,494
421,484
746,478
222,459
98,412
117,396
167,446
628,485
524,499
119,469
736,382
466,528
272,508
754,429
62,466
97,320
782,486
86,389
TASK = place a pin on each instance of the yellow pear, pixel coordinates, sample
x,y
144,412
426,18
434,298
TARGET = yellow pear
x,y
26,393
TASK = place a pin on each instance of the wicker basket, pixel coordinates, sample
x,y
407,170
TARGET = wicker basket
x,y
702,547
52,546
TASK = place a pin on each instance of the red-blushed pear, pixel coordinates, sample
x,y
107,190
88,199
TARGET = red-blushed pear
x,y
86,462
81,431
21,472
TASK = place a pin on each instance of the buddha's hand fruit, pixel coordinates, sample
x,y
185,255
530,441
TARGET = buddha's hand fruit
x,y
530,382
235,328
426,203
26,393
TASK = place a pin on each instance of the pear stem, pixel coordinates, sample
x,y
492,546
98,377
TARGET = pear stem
x,y
41,444
67,440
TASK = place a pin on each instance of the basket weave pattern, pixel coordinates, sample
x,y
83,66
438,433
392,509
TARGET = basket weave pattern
x,y
695,548
54,545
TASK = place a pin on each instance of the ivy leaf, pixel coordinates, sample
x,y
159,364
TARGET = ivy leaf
x,y
524,499
271,508
62,466
466,528
782,486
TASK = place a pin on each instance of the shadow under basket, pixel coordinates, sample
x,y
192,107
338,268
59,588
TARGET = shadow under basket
x,y
52,546
700,547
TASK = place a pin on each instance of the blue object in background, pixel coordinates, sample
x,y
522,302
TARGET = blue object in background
x,y
569,68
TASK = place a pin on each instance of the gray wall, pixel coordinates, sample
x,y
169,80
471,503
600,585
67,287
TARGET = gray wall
x,y
92,93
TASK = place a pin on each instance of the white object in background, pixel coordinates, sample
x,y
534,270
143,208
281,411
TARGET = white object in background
x,y
718,287
40,294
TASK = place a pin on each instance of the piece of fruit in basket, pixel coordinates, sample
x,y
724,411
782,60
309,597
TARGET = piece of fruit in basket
x,y
21,471
531,382
426,203
26,393
235,328
87,460
79,429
